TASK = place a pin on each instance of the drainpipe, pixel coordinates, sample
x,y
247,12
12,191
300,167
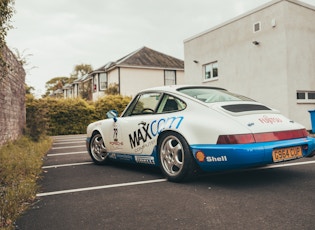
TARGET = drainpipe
x,y
119,80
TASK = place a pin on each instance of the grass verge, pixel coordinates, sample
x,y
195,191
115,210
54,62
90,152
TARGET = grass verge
x,y
20,168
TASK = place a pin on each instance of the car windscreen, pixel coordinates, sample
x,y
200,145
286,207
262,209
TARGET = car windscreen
x,y
211,95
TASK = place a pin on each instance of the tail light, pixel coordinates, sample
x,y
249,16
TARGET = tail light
x,y
261,137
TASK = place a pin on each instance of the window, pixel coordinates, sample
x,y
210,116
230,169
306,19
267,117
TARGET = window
x,y
169,77
103,81
211,71
257,27
305,96
144,104
210,95
171,104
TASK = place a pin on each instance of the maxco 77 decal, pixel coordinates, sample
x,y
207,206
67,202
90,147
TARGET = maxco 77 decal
x,y
150,130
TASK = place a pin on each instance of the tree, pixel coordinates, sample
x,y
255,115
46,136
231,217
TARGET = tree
x,y
6,12
80,70
55,83
85,88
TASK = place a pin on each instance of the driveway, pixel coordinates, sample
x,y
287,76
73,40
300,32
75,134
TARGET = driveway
x,y
76,194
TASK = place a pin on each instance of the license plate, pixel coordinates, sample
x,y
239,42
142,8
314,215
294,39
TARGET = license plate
x,y
286,154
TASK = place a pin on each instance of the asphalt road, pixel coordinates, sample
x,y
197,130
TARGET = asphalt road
x,y
76,194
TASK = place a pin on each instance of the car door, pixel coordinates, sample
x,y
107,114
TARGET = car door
x,y
135,127
141,124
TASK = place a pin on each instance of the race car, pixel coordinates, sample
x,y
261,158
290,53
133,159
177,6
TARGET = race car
x,y
184,129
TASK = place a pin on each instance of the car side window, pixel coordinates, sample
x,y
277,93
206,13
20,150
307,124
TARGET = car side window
x,y
145,104
171,104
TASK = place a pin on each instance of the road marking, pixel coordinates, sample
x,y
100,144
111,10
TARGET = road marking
x,y
67,142
62,154
142,182
69,147
66,165
287,164
100,187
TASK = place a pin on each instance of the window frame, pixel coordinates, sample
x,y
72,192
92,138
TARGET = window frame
x,y
303,97
101,82
159,107
165,76
214,71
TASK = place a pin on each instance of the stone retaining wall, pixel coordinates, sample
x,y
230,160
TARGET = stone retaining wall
x,y
12,99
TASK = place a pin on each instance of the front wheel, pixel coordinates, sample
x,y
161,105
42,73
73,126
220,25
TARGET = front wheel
x,y
98,150
176,160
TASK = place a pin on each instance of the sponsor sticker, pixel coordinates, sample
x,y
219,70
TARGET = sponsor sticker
x,y
145,160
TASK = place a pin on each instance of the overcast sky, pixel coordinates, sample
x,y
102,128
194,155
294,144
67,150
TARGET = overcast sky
x,y
60,34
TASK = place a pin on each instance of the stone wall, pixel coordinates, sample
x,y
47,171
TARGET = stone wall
x,y
12,99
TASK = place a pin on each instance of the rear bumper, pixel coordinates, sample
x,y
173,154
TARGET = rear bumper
x,y
237,156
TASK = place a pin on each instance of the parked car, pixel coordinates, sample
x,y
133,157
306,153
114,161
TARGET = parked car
x,y
182,129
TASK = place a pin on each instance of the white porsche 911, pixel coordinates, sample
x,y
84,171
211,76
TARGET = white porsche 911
x,y
182,129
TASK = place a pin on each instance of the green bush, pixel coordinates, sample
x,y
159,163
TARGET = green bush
x,y
103,105
51,116
36,118
69,116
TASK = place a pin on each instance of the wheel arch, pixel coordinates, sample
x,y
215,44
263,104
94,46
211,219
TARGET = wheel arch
x,y
170,131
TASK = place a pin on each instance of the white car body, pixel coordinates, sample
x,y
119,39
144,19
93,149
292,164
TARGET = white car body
x,y
197,125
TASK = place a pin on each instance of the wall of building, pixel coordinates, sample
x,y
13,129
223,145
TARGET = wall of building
x,y
133,80
300,31
263,72
12,100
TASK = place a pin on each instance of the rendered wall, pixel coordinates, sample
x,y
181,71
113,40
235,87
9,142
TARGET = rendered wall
x,y
270,72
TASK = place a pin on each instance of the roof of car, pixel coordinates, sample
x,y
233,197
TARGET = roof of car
x,y
174,88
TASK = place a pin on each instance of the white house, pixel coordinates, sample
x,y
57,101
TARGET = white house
x,y
138,70
267,54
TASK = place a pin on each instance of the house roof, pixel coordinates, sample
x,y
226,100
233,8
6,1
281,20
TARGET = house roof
x,y
144,58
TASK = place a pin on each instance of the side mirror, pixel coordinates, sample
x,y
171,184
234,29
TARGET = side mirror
x,y
112,114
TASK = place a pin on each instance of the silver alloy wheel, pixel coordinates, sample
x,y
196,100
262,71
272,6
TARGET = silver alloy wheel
x,y
172,155
98,149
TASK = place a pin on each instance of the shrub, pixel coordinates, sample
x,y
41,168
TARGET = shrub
x,y
36,118
51,116
104,104
69,116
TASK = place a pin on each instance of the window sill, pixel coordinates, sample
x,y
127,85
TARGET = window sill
x,y
305,101
210,80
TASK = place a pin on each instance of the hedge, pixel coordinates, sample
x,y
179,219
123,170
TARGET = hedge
x,y
50,116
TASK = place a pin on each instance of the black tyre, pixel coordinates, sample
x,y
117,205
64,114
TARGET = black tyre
x,y
176,160
98,150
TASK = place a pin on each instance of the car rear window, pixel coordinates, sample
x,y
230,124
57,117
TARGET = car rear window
x,y
211,95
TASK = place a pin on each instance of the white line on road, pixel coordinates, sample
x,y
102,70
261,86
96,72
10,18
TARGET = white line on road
x,y
100,187
287,165
68,142
142,182
69,147
62,154
66,165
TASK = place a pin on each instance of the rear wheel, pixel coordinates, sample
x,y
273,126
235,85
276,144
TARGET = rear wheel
x,y
176,160
98,150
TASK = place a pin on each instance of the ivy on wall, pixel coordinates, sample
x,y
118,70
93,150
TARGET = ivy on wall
x,y
6,12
